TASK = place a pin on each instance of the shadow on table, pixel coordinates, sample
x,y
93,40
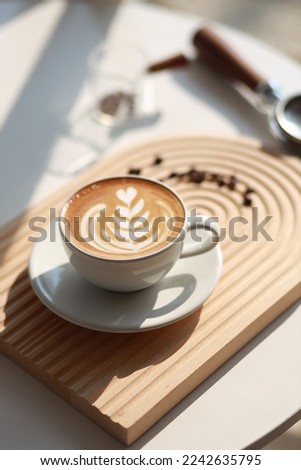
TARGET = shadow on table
x,y
10,10
210,88
211,381
96,137
286,437
83,364
33,123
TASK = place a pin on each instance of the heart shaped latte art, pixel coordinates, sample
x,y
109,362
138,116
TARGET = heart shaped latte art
x,y
127,195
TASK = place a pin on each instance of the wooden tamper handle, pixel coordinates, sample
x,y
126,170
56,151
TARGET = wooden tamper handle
x,y
213,51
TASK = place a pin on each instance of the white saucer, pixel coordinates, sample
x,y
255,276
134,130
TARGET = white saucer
x,y
66,293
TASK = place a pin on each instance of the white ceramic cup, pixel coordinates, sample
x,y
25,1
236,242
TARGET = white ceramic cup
x,y
132,274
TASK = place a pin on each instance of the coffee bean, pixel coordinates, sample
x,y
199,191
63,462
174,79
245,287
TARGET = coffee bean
x,y
220,180
232,182
134,171
212,176
196,176
173,174
247,201
158,160
249,190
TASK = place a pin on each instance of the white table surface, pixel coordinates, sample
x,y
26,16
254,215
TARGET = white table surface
x,y
44,117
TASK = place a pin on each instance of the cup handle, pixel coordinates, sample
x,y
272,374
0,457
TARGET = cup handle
x,y
201,246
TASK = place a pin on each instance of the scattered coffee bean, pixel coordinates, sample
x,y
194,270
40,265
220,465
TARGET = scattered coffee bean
x,y
158,160
173,174
134,171
249,190
211,176
232,182
196,176
220,180
247,201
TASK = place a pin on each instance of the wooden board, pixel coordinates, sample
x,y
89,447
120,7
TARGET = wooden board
x,y
126,382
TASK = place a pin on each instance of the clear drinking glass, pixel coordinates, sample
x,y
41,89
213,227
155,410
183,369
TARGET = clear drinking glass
x,y
117,76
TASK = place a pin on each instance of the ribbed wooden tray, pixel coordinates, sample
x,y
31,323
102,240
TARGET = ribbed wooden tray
x,y
126,382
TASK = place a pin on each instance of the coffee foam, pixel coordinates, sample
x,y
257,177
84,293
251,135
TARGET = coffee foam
x,y
123,218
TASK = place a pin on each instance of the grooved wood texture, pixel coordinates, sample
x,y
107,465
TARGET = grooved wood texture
x,y
126,382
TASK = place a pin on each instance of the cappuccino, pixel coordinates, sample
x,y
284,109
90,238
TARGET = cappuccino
x,y
123,217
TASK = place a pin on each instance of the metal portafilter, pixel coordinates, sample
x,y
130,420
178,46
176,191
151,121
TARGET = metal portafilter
x,y
284,112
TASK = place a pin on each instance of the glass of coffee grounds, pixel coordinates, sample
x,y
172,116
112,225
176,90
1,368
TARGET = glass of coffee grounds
x,y
118,83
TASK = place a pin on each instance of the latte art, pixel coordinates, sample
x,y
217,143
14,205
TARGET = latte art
x,y
124,217
130,228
